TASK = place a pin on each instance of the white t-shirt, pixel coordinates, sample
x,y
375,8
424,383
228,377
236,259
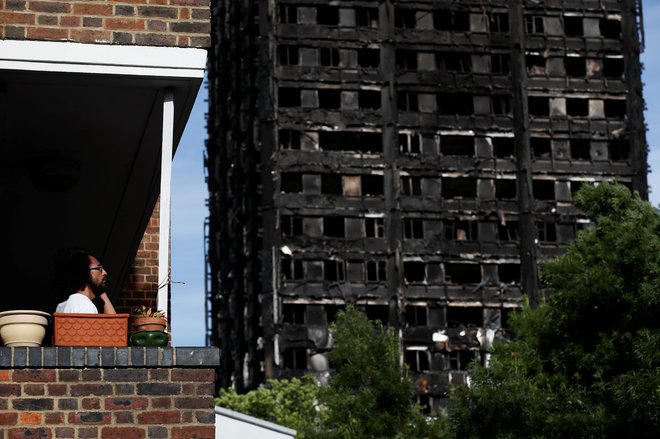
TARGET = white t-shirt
x,y
77,303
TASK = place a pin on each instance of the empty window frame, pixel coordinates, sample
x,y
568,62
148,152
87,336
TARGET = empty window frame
x,y
366,142
462,273
334,226
501,104
505,188
327,15
613,68
295,358
414,271
293,313
575,187
411,185
289,139
580,149
409,143
610,28
416,315
407,101
461,230
329,98
457,145
291,269
538,105
503,147
406,59
451,20
498,22
453,61
534,24
619,149
500,64
331,184
376,271
573,26
367,17
288,97
368,58
615,108
576,67
577,107
461,360
508,231
535,64
459,187
288,55
458,316
541,148
413,228
333,270
508,273
369,99
546,231
405,18
377,313
331,312
460,104
291,225
288,14
291,182
544,190
374,227
329,56
372,185
417,360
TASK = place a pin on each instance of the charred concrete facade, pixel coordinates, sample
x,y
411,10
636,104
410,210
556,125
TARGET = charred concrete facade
x,y
416,158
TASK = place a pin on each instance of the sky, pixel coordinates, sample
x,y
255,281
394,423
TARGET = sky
x,y
189,193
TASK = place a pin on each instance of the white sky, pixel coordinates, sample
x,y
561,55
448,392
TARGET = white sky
x,y
189,194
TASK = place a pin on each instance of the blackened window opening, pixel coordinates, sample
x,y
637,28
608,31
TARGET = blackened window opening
x,y
289,139
610,28
329,56
508,231
417,361
546,231
543,189
291,225
453,61
541,147
334,226
505,189
406,59
580,149
461,230
615,108
460,273
413,228
576,67
295,358
508,273
613,68
455,104
619,149
577,107
329,99
500,64
406,101
460,187
404,19
331,184
457,145
372,185
573,26
369,99
288,14
416,315
333,270
291,182
365,142
503,147
499,22
411,185
288,97
538,106
376,271
288,55
458,316
367,17
327,15
293,313
449,20
414,271
374,227
369,58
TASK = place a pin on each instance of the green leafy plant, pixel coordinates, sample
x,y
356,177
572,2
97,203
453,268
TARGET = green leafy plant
x,y
144,311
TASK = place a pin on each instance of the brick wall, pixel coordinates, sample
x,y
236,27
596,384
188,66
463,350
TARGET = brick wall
x,y
141,285
183,23
108,402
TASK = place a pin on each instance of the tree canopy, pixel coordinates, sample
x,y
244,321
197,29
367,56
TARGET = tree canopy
x,y
586,362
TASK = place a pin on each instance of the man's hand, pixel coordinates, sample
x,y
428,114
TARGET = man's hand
x,y
107,305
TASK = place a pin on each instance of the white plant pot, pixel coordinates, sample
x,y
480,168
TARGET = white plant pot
x,y
23,327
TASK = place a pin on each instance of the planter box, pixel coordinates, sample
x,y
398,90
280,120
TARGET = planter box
x,y
90,329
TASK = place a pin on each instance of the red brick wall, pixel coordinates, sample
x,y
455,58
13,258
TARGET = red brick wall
x,y
141,286
109,403
183,23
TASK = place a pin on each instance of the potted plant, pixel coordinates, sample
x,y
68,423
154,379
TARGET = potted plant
x,y
23,327
149,327
145,319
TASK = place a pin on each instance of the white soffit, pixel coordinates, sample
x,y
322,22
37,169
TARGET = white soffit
x,y
68,57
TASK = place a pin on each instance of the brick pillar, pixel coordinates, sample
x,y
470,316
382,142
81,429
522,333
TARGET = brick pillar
x,y
141,286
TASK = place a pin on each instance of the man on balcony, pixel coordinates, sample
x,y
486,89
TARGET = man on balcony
x,y
80,278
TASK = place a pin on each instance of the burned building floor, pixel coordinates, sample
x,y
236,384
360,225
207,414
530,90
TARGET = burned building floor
x,y
415,158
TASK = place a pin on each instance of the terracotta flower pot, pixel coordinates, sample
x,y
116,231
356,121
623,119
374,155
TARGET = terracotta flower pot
x,y
23,327
91,329
149,324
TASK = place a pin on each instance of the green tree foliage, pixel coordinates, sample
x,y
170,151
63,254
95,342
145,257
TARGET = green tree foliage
x,y
586,362
369,395
292,403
